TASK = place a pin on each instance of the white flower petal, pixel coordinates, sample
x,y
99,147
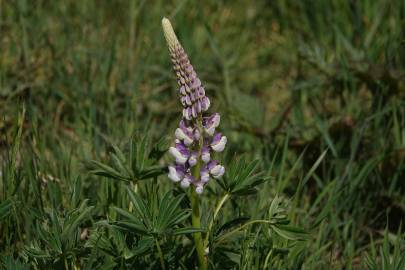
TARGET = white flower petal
x,y
206,157
192,160
199,189
177,155
173,175
219,147
180,134
210,131
185,183
217,171
216,119
205,178
187,141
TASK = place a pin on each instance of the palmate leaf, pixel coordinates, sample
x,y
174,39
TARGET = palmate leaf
x,y
112,243
102,169
9,263
74,218
140,163
241,178
142,211
147,220
58,236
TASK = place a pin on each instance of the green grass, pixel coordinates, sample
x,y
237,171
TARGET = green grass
x,y
313,90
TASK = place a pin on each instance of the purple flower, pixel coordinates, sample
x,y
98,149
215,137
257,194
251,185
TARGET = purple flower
x,y
205,175
180,153
185,183
215,169
218,142
205,154
184,134
199,188
176,173
192,93
210,123
195,136
187,180
193,159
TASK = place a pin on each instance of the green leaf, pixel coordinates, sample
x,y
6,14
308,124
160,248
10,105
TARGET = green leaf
x,y
5,208
187,230
290,232
130,226
236,222
241,179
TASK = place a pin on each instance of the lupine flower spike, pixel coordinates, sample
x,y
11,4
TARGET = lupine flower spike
x,y
196,139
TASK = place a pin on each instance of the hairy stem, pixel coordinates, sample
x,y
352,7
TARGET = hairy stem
x,y
195,206
195,219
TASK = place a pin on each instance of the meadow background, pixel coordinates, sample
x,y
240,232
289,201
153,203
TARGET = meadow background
x,y
313,90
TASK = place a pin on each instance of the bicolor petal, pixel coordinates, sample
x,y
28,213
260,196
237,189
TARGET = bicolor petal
x,y
217,171
205,154
218,142
182,135
205,103
199,189
185,183
205,175
176,173
210,123
180,154
192,160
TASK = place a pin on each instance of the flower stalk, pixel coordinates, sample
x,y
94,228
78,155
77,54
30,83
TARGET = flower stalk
x,y
195,206
196,137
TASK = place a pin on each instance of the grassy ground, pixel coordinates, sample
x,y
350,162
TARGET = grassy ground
x,y
314,90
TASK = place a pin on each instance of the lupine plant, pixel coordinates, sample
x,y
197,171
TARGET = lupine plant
x,y
195,151
197,140
196,136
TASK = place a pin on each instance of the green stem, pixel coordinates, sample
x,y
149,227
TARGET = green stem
x,y
195,205
66,263
195,220
162,261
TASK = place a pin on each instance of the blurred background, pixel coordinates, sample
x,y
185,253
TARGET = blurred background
x,y
297,83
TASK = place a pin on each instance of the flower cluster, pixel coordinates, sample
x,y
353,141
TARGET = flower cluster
x,y
196,139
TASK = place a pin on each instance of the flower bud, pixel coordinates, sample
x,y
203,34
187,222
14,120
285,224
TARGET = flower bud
x,y
194,139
